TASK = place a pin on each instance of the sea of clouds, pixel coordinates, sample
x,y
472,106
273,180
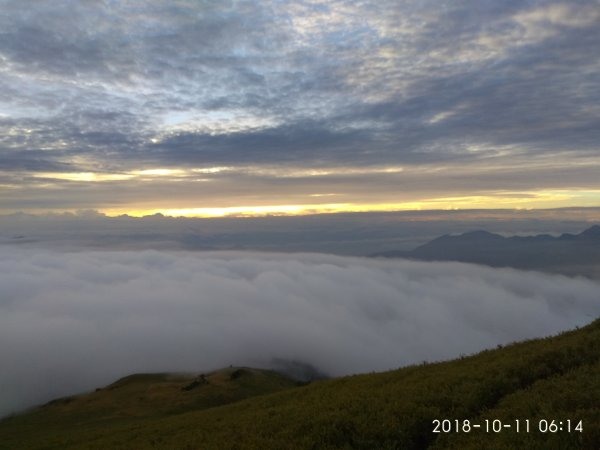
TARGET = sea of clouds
x,y
73,321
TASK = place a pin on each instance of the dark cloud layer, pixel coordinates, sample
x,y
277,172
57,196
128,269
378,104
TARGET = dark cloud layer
x,y
73,321
357,234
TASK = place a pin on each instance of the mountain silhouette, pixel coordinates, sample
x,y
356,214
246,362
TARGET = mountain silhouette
x,y
574,254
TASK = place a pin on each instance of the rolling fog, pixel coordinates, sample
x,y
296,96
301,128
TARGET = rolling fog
x,y
71,322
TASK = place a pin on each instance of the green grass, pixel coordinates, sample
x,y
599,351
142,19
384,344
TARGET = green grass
x,y
554,378
132,401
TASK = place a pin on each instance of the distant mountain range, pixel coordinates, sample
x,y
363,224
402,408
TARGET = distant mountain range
x,y
573,254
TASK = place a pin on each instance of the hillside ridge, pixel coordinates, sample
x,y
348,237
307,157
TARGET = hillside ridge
x,y
554,378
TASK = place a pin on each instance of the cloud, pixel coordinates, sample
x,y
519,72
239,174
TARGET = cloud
x,y
318,83
494,98
354,234
71,322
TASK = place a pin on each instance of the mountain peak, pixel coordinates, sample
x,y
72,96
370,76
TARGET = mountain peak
x,y
591,233
480,234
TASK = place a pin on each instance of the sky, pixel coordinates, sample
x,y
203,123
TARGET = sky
x,y
74,321
214,108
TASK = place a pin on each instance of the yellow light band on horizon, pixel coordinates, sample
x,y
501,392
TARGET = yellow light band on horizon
x,y
537,200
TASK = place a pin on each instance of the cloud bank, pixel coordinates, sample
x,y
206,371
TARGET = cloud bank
x,y
75,321
356,234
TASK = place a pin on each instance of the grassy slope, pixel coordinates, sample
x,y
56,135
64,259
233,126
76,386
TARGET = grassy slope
x,y
553,378
132,401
